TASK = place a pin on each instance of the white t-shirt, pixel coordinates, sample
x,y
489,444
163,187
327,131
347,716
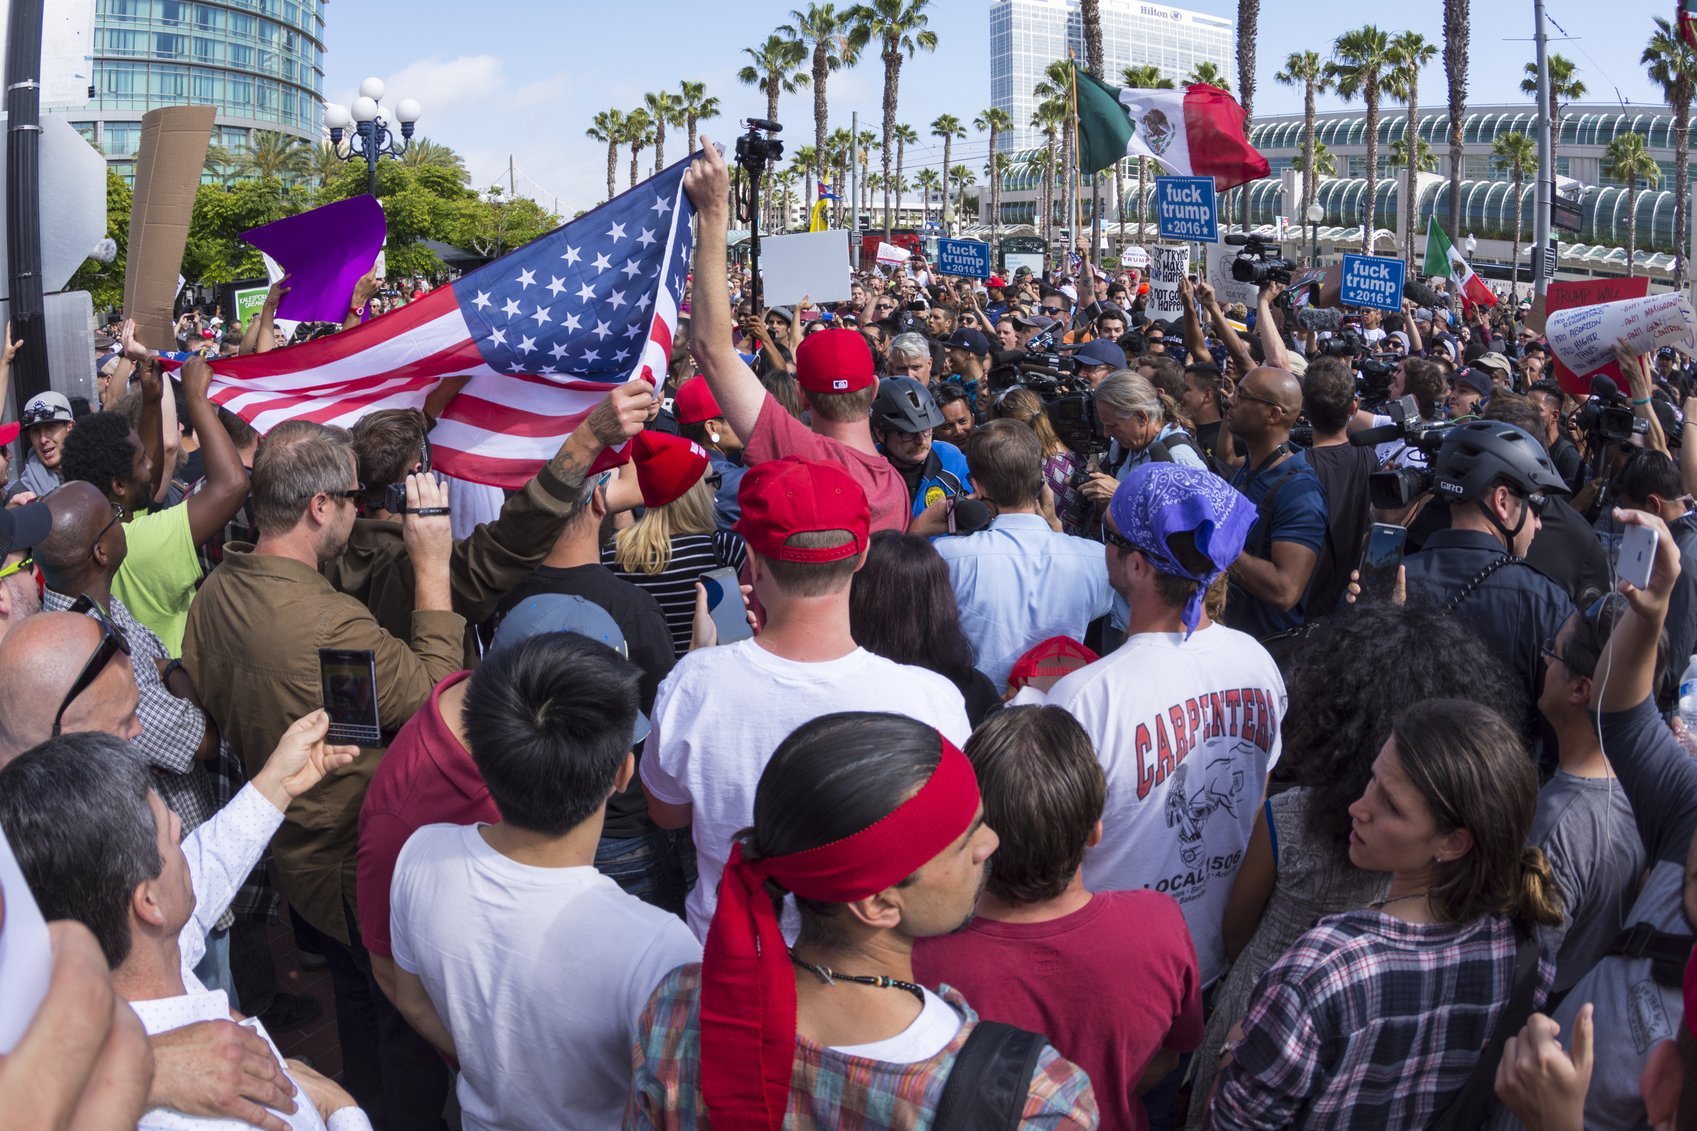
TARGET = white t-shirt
x,y
1186,731
723,711
927,1035
540,974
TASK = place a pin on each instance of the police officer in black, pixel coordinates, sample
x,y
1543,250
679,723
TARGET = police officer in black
x,y
1496,477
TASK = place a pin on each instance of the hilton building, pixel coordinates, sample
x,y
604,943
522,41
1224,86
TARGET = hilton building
x,y
259,62
1027,35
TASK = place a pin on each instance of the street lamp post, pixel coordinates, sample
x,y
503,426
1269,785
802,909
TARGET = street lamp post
x,y
371,138
1314,215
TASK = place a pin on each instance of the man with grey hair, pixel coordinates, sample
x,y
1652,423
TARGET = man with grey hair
x,y
252,650
910,356
97,845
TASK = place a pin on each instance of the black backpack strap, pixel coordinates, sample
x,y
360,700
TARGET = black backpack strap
x,y
990,1080
1478,1098
1667,952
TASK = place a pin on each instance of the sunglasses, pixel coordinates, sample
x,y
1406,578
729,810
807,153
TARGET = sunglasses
x,y
40,414
1053,309
353,492
118,515
1114,538
1242,396
112,642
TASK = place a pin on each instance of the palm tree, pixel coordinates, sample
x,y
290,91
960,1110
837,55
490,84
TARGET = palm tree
x,y
994,121
822,32
905,136
864,143
1361,59
962,175
1206,73
608,128
219,161
947,127
1627,158
927,180
1304,68
900,28
1410,52
1516,154
1425,160
426,154
1055,90
665,110
1672,65
772,66
638,133
1325,165
1456,34
1143,78
697,106
272,154
1248,17
839,149
1048,118
326,163
1565,87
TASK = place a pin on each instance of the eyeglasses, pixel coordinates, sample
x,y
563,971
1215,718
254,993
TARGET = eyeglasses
x,y
353,492
112,642
17,567
1536,502
1243,396
118,515
1114,538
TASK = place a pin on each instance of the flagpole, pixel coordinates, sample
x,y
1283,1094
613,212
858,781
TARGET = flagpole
x,y
1077,141
1546,155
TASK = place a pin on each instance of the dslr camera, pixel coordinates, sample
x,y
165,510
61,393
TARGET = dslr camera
x,y
755,150
1258,264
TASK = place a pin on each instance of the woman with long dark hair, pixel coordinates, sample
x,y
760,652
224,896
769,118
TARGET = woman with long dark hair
x,y
902,607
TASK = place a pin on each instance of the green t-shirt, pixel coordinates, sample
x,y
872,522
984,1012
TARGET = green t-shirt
x,y
157,580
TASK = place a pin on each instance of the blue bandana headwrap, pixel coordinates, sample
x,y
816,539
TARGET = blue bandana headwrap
x,y
1159,500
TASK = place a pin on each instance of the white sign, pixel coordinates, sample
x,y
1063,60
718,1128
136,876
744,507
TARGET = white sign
x,y
1167,265
1583,338
26,954
891,255
1134,256
67,52
1227,289
811,265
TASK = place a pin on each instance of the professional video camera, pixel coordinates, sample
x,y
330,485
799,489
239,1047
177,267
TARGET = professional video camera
x,y
1257,263
1344,343
1606,416
755,150
1397,488
1043,355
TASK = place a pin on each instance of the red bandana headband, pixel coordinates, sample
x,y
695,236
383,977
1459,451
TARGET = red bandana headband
x,y
748,1010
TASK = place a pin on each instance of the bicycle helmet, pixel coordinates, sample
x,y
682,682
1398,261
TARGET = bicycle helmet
x,y
1479,454
904,405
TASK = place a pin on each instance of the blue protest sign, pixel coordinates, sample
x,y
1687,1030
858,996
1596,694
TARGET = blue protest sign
x,y
1185,209
967,258
1372,281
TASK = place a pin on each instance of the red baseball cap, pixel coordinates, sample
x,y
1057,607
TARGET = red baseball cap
x,y
1056,656
834,361
695,402
666,466
789,496
9,432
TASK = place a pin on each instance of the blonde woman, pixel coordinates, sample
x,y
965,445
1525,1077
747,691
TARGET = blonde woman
x,y
668,549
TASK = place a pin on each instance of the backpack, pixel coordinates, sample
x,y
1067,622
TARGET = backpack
x,y
988,1085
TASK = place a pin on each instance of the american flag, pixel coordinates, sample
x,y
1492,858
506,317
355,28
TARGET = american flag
x,y
543,332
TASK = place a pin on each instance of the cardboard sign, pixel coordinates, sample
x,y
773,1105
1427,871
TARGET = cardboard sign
x,y
969,259
168,163
1167,265
1591,292
1372,281
811,265
1185,209
1583,337
1227,289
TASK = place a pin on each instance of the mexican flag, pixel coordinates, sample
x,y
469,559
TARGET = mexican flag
x,y
1193,132
1444,261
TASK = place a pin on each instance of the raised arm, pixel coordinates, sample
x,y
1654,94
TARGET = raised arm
x,y
1195,341
221,497
1234,345
1272,340
1636,366
1626,674
738,391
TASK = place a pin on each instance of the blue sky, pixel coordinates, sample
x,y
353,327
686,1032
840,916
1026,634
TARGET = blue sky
x,y
524,77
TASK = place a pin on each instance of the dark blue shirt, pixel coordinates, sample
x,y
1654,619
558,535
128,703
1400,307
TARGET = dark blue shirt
x,y
1297,514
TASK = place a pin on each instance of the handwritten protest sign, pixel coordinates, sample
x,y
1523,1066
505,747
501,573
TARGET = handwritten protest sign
x,y
1167,265
1227,289
1591,292
1583,338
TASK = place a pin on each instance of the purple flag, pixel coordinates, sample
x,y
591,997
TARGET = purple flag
x,y
325,251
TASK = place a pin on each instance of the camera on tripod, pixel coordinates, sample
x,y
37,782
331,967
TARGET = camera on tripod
x,y
1258,264
755,150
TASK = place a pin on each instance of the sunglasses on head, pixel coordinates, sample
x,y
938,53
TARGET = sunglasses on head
x,y
112,642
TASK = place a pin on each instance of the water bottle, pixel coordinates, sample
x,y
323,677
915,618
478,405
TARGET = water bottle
x,y
1688,697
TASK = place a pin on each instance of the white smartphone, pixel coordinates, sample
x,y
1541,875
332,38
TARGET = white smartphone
x,y
1637,555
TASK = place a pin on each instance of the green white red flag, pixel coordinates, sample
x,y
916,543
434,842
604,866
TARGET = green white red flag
x,y
1444,261
1195,132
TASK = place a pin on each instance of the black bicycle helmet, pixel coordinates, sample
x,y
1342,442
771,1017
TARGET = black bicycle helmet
x,y
904,405
1479,454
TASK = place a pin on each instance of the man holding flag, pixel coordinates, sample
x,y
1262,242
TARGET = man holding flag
x,y
1443,261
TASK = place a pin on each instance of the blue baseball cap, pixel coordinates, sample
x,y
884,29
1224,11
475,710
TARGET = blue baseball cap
x,y
1099,351
565,612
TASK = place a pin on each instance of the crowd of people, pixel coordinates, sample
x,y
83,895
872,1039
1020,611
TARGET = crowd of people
x,y
967,706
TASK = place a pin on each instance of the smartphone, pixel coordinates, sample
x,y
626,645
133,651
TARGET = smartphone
x,y
1637,556
725,605
348,678
1380,560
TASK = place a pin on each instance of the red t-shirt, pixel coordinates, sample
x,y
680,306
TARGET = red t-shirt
x,y
1110,985
778,434
426,777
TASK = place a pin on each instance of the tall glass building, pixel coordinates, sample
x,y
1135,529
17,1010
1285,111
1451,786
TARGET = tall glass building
x,y
1027,35
260,62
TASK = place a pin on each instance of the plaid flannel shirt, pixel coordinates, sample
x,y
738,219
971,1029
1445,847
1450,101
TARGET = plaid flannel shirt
x,y
1370,1022
828,1089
